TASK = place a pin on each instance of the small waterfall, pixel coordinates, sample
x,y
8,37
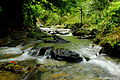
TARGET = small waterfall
x,y
40,51
84,60
30,53
47,54
35,52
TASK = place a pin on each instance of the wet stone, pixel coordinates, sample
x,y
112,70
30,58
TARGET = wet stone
x,y
57,54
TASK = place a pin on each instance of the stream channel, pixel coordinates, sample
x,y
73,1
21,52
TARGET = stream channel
x,y
99,67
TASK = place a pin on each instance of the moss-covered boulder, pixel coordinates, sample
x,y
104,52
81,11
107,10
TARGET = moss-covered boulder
x,y
111,43
81,32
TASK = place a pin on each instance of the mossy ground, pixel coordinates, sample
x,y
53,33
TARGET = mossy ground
x,y
6,75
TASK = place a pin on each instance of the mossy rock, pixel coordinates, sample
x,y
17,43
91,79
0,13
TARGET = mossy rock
x,y
111,43
37,34
81,32
112,51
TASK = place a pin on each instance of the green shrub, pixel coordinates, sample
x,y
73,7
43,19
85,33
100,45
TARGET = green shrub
x,y
111,16
112,38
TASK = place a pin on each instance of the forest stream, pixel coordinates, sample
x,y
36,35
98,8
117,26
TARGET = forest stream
x,y
98,67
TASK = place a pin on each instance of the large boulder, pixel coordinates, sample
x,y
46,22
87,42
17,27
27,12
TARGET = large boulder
x,y
57,54
84,33
111,51
65,55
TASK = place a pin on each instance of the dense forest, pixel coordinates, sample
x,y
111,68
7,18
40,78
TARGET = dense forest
x,y
98,19
103,15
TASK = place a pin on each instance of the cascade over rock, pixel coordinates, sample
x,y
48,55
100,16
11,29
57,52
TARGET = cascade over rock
x,y
57,54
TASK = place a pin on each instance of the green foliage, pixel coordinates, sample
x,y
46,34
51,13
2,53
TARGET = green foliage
x,y
51,12
114,13
28,14
102,14
111,17
93,11
98,4
112,38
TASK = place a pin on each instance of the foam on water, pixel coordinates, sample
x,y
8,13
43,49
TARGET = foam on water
x,y
91,51
97,59
112,67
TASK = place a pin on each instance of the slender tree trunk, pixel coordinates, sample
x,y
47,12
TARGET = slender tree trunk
x,y
81,15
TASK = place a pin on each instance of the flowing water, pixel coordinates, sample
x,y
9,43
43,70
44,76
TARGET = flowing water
x,y
99,67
